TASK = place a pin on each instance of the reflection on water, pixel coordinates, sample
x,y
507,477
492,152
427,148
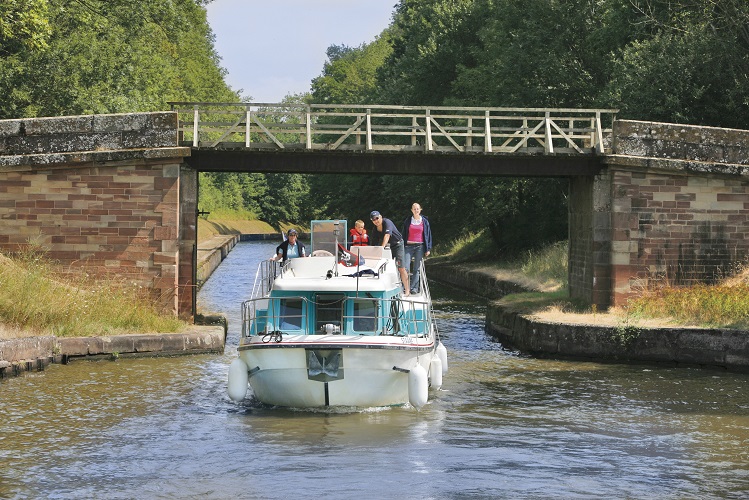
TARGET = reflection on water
x,y
504,425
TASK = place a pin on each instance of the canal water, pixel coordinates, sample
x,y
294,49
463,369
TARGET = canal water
x,y
504,425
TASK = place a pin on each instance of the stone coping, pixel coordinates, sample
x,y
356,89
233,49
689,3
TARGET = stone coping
x,y
29,353
67,159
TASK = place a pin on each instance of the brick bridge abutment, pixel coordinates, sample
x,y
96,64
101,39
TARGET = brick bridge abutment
x,y
116,195
108,195
670,206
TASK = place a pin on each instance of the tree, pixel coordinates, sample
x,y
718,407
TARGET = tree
x,y
109,56
349,74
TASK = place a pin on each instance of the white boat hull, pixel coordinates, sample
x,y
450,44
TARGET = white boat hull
x,y
280,374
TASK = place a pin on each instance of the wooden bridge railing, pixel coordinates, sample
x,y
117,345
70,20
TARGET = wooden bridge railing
x,y
393,128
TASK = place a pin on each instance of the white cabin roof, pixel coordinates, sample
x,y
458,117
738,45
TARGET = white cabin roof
x,y
311,273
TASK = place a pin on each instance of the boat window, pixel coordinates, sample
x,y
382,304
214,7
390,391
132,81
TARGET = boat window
x,y
290,314
365,315
328,311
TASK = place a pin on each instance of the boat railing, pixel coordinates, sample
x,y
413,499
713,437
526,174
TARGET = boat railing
x,y
266,274
290,314
428,297
406,318
264,315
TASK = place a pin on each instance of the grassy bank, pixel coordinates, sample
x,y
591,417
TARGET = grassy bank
x,y
36,300
218,224
724,305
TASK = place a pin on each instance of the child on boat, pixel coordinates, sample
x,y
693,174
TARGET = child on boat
x,y
359,236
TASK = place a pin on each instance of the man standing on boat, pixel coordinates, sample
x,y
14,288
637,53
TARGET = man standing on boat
x,y
386,233
291,248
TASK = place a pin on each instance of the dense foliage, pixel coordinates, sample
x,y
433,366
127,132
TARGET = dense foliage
x,y
68,57
684,61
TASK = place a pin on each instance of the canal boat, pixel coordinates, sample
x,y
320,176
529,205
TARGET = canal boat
x,y
335,329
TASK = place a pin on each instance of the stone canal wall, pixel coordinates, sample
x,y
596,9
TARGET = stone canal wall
x,y
36,353
719,348
212,252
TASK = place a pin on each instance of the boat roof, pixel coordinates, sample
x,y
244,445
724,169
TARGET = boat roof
x,y
376,272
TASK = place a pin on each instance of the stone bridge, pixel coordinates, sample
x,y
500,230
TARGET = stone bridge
x,y
117,194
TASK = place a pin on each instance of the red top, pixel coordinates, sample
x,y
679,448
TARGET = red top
x,y
415,233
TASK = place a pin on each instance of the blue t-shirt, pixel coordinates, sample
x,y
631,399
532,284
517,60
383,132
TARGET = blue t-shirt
x,y
293,251
389,228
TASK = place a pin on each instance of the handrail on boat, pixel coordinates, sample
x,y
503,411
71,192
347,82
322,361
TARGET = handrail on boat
x,y
428,299
394,316
266,274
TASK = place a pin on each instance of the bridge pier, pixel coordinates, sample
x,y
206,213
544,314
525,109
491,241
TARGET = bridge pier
x,y
589,262
670,208
107,195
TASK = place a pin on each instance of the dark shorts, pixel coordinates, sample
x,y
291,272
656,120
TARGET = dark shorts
x,y
398,255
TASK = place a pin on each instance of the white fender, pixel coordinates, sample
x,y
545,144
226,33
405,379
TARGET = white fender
x,y
418,387
435,372
442,353
238,378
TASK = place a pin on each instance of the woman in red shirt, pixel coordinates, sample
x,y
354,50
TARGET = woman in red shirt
x,y
417,234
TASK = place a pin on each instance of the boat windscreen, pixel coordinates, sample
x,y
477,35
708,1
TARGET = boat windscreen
x,y
368,252
326,232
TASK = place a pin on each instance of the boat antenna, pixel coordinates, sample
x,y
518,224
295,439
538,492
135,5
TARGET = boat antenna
x,y
358,265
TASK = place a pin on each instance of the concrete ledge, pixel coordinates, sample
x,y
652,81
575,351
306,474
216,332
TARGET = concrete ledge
x,y
30,161
473,281
35,353
719,348
212,252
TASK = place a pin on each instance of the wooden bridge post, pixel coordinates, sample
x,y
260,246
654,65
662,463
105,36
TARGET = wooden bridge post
x,y
429,130
195,118
599,133
369,130
308,119
248,120
487,133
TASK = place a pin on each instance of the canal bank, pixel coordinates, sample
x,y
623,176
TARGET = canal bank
x,y
206,336
36,353
627,342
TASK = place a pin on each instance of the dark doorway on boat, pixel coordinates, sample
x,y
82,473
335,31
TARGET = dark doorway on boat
x,y
329,311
